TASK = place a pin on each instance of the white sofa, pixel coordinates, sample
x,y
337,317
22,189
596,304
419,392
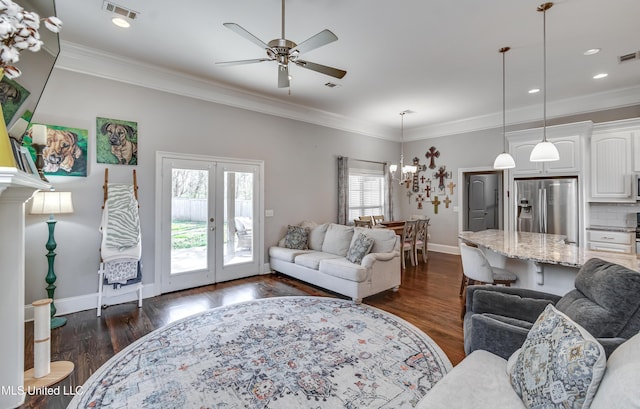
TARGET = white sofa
x,y
324,263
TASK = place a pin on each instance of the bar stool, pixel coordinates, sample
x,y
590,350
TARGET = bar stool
x,y
477,270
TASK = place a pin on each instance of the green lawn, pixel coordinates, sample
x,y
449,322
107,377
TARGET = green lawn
x,y
188,234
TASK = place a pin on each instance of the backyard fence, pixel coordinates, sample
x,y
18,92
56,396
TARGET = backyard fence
x,y
195,210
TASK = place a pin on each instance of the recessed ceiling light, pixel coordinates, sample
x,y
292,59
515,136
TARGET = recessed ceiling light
x,y
534,91
592,51
599,76
120,22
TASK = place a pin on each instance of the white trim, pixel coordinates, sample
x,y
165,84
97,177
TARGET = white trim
x,y
90,301
77,58
443,248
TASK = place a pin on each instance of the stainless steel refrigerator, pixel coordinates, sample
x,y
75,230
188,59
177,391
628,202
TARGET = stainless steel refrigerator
x,y
548,205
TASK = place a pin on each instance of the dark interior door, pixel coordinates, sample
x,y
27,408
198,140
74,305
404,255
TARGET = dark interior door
x,y
483,202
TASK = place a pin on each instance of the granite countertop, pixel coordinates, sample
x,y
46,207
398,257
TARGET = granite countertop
x,y
622,229
543,248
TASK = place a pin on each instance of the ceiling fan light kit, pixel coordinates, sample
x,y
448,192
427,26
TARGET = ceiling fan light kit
x,y
285,51
544,151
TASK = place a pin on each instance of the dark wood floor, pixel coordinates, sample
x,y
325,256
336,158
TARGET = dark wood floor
x,y
428,298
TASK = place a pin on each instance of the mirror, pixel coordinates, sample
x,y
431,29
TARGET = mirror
x,y
23,93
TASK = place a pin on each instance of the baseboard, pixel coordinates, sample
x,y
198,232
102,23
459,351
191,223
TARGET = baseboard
x,y
443,248
90,301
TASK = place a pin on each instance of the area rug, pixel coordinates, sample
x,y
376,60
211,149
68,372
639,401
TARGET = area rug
x,y
285,352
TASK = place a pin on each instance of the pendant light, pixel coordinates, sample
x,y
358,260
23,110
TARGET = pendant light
x,y
544,151
406,171
504,160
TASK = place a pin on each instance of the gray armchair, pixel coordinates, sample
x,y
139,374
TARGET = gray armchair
x,y
606,302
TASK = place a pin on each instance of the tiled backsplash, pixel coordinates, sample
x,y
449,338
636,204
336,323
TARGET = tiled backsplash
x,y
613,214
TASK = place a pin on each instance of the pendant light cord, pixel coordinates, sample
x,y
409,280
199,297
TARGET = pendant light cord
x,y
544,73
504,97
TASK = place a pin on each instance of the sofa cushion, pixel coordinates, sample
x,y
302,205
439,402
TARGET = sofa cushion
x,y
360,247
622,377
312,259
560,365
384,239
316,236
343,268
297,237
480,381
337,239
605,301
285,254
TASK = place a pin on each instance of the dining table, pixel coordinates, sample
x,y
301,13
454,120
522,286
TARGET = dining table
x,y
396,225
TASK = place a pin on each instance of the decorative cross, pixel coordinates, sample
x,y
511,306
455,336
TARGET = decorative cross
x,y
431,155
419,199
447,201
409,194
451,185
441,174
435,203
427,189
423,179
416,163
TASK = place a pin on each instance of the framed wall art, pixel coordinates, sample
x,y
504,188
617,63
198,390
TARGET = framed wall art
x,y
116,141
66,151
12,96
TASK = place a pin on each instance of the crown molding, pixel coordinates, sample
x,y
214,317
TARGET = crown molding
x,y
601,101
77,58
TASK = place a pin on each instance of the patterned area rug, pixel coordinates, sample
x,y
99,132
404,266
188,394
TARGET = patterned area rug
x,y
286,352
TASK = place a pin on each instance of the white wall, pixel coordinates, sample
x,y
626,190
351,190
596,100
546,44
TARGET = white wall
x,y
300,167
469,150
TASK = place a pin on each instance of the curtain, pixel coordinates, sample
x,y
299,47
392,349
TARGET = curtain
x,y
343,189
388,193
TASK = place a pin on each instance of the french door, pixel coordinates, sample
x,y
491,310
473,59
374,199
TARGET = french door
x,y
210,225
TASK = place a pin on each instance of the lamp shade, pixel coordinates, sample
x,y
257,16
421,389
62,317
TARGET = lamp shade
x,y
544,151
504,161
52,203
39,134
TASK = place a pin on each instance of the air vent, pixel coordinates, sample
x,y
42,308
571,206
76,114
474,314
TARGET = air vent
x,y
119,10
629,57
331,85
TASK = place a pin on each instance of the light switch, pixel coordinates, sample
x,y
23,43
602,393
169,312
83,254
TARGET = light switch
x,y
268,213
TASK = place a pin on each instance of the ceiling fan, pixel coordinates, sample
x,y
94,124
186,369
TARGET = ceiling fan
x,y
286,51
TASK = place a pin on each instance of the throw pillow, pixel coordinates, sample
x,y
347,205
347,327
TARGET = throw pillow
x,y
297,237
360,247
560,364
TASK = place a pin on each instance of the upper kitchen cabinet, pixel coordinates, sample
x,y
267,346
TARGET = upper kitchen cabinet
x,y
612,161
567,138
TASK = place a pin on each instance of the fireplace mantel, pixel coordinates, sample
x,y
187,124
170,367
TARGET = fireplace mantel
x,y
16,188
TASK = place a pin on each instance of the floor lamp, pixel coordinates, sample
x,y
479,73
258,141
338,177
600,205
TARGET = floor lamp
x,y
52,202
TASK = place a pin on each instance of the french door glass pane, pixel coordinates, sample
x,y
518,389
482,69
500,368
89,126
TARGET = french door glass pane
x,y
189,238
238,217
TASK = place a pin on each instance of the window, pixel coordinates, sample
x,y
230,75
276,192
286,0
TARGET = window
x,y
366,192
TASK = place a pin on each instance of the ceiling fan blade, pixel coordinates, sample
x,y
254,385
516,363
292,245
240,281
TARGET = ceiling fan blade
x,y
244,33
322,38
283,76
323,69
240,62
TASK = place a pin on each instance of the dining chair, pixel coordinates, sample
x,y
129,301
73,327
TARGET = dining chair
x,y
377,219
422,234
408,241
363,223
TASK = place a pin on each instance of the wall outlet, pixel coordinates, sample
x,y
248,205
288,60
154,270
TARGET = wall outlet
x,y
428,236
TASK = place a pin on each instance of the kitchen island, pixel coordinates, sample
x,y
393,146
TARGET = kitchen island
x,y
543,262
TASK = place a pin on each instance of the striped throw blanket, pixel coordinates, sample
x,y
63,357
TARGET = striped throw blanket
x,y
123,222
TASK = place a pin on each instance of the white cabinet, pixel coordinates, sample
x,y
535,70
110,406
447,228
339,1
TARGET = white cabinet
x,y
612,162
567,138
616,242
